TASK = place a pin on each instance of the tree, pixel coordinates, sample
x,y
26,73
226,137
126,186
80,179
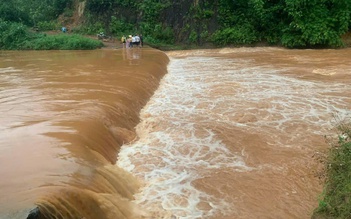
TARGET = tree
x,y
9,12
315,22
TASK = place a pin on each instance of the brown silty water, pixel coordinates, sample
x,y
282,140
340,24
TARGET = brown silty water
x,y
235,133
230,133
64,116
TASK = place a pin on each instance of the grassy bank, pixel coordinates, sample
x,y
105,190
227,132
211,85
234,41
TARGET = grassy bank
x,y
336,197
61,42
16,36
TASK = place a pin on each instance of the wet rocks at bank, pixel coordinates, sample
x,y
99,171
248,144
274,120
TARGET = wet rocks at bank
x,y
34,214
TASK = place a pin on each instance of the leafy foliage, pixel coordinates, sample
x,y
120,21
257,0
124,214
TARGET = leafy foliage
x,y
99,6
16,36
9,12
315,22
291,23
90,28
12,35
336,202
41,10
48,25
120,26
239,35
152,25
61,42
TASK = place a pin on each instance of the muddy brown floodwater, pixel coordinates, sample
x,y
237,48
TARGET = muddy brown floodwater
x,y
138,133
64,116
232,133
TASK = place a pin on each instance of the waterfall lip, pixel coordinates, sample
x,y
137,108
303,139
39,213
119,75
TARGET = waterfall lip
x,y
203,133
65,115
270,107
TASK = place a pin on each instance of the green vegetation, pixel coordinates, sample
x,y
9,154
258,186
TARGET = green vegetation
x,y
289,23
13,34
17,16
17,36
179,24
61,42
336,201
37,10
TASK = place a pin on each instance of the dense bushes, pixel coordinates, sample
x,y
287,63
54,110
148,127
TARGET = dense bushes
x,y
316,22
237,35
291,23
12,34
61,42
30,12
336,202
16,36
9,12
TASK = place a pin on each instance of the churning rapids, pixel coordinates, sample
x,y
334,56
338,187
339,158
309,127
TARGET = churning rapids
x,y
138,133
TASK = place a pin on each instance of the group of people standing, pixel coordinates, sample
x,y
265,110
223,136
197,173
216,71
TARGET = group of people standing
x,y
132,41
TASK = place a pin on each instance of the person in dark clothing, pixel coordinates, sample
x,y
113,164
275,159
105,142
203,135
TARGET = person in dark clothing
x,y
141,40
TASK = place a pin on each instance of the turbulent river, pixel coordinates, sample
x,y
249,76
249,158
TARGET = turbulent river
x,y
139,133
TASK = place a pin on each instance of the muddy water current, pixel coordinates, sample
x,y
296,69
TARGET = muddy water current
x,y
226,133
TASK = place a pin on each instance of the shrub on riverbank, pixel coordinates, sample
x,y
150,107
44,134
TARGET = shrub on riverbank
x,y
16,36
336,202
12,34
61,42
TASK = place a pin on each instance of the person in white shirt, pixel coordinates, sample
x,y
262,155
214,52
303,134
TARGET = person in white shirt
x,y
137,40
133,41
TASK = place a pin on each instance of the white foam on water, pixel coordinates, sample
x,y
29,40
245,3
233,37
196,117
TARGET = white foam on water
x,y
9,70
174,148
177,144
262,99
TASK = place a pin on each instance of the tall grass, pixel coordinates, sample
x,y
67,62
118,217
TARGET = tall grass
x,y
336,200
